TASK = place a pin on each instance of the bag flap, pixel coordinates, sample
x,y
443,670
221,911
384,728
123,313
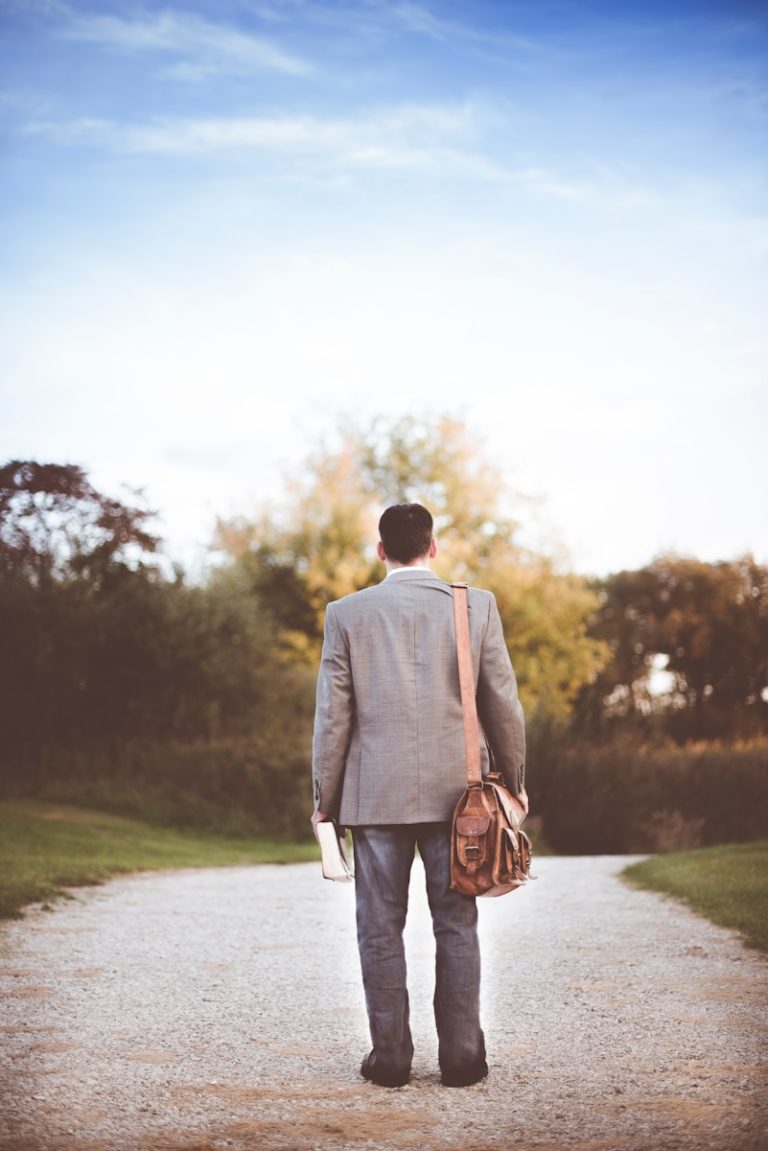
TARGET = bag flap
x,y
472,824
510,805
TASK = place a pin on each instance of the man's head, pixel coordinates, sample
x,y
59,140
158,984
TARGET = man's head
x,y
406,534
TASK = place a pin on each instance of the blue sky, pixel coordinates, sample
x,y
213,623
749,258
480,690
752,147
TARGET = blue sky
x,y
224,225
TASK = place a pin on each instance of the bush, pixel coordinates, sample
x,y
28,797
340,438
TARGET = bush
x,y
235,786
626,797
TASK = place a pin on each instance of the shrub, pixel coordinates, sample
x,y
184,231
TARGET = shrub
x,y
232,786
626,797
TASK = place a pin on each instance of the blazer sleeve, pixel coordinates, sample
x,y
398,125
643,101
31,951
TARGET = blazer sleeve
x,y
334,714
498,704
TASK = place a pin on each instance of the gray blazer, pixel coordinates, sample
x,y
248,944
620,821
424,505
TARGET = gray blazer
x,y
388,741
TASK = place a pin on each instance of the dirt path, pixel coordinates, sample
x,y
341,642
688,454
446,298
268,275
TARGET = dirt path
x,y
223,1009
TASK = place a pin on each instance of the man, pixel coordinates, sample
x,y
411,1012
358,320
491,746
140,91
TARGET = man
x,y
389,761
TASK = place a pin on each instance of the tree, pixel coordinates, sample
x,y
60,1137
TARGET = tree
x,y
98,644
706,625
320,545
315,549
54,524
712,625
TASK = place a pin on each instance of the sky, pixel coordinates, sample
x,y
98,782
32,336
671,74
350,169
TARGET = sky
x,y
224,226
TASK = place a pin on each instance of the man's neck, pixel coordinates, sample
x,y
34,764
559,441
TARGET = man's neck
x,y
420,564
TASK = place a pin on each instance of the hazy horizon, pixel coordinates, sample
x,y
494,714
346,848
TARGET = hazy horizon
x,y
224,226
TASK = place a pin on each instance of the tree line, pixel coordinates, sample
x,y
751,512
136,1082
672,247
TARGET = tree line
x,y
123,683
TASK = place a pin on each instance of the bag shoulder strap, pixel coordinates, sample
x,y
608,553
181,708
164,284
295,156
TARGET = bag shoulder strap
x,y
467,683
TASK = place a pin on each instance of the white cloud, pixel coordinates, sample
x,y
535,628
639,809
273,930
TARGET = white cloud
x,y
376,20
204,46
421,21
444,139
398,127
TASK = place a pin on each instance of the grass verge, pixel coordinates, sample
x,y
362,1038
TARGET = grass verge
x,y
46,848
728,884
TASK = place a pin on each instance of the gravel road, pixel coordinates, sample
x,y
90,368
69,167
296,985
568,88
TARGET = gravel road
x,y
222,1008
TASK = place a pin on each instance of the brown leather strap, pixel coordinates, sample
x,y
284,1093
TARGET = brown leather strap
x,y
467,683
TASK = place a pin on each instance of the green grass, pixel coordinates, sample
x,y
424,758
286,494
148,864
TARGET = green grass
x,y
47,847
727,884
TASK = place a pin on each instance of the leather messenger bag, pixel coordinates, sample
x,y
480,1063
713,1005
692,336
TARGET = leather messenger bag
x,y
490,853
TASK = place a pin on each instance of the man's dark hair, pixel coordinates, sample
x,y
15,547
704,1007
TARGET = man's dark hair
x,y
406,532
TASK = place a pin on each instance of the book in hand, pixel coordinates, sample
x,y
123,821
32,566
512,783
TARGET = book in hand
x,y
336,862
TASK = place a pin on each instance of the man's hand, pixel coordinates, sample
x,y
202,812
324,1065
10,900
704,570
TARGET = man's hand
x,y
321,817
317,817
522,797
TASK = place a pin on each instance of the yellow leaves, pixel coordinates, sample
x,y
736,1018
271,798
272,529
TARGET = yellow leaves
x,y
321,544
545,615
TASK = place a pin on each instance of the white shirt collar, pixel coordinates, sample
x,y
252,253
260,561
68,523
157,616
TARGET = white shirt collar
x,y
409,568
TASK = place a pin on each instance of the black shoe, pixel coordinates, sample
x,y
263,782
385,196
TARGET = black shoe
x,y
465,1076
383,1076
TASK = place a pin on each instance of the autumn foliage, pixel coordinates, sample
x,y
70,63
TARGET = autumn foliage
x,y
124,685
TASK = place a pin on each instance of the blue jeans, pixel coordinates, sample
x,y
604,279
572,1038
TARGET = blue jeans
x,y
383,858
